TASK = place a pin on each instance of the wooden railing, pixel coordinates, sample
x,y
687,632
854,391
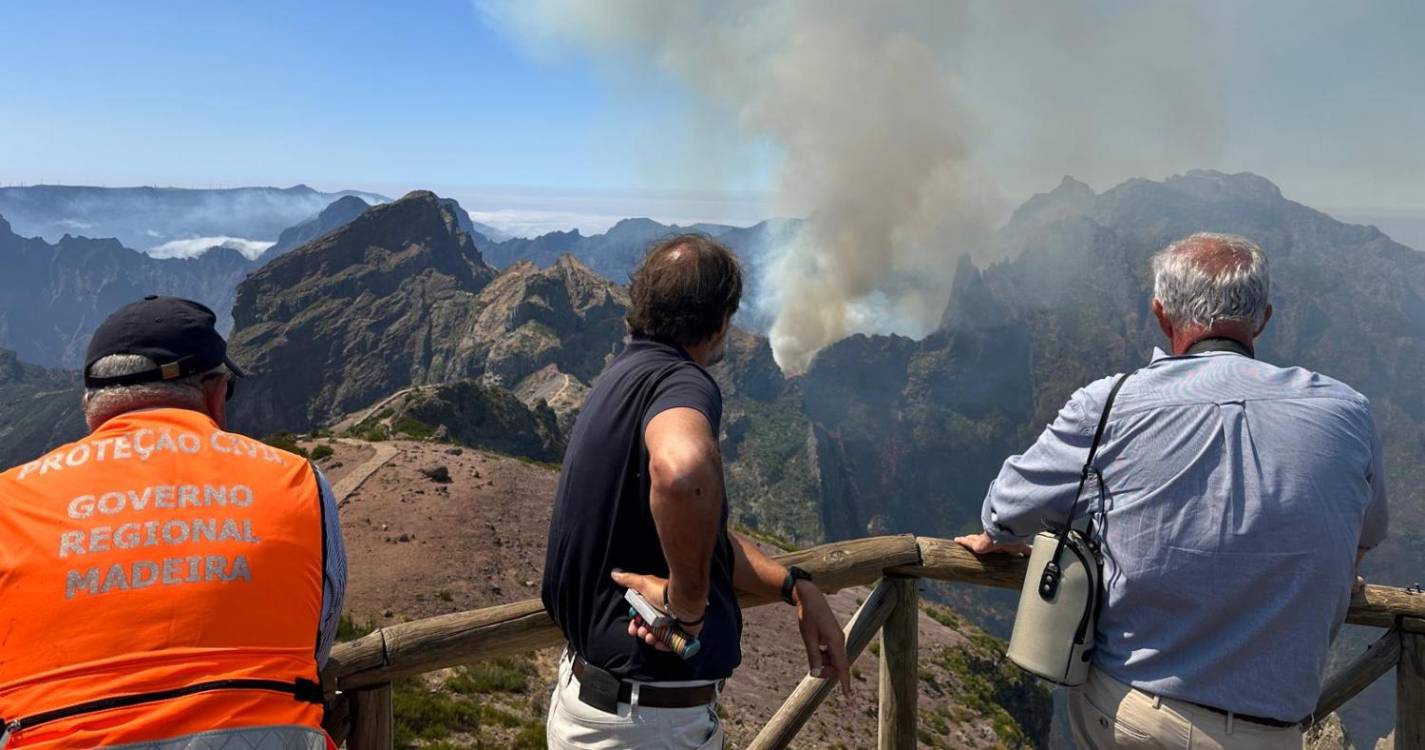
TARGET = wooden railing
x,y
362,670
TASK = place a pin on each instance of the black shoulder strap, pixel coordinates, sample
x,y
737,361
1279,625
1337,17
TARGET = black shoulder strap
x,y
1103,422
1093,447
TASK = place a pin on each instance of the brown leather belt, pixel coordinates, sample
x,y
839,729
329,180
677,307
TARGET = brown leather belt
x,y
653,696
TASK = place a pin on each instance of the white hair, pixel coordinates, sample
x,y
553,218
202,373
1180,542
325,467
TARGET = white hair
x,y
1199,287
103,404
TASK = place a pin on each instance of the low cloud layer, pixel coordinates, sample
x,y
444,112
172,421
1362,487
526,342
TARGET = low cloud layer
x,y
195,246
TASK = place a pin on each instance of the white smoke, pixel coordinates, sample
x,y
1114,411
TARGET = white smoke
x,y
192,247
881,136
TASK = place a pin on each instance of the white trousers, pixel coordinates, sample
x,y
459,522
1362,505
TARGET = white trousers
x,y
1105,713
573,725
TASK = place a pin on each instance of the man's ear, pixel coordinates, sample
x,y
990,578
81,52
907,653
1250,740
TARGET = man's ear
x,y
1266,318
1162,316
215,398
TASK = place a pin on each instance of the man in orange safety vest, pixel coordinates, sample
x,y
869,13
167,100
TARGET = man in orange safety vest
x,y
165,583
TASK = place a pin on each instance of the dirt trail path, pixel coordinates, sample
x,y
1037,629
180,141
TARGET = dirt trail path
x,y
562,389
358,476
356,418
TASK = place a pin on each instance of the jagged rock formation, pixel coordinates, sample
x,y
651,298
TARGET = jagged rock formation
x,y
356,315
53,296
564,315
1328,734
399,297
468,413
39,409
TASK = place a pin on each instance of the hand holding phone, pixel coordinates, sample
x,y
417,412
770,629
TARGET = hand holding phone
x,y
664,627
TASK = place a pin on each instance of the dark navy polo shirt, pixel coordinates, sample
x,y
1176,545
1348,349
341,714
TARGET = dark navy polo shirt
x,y
602,520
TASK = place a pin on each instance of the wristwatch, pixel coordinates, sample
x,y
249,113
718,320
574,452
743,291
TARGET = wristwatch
x,y
794,574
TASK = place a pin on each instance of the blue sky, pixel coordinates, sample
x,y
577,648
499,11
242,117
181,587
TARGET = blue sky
x,y
1325,99
379,96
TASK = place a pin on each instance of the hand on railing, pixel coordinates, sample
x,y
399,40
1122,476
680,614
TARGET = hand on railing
x,y
982,544
822,634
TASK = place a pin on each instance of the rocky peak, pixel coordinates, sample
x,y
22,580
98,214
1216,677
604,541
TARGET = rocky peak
x,y
357,314
638,226
1211,185
347,205
564,314
972,305
375,254
1071,197
337,214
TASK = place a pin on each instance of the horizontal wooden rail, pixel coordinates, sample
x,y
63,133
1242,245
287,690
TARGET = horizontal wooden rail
x,y
424,645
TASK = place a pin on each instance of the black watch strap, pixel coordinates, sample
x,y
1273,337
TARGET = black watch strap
x,y
794,574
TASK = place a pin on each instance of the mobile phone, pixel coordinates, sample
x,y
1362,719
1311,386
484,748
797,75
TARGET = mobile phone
x,y
652,616
664,627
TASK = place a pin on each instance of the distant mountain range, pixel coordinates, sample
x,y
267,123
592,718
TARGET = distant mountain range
x,y
147,217
52,296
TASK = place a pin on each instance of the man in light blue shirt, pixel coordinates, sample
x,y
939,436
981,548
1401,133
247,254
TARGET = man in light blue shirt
x,y
1239,498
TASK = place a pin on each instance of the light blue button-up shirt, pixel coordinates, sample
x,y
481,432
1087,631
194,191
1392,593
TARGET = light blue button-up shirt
x,y
1238,495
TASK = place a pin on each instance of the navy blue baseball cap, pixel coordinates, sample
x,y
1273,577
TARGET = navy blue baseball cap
x,y
180,335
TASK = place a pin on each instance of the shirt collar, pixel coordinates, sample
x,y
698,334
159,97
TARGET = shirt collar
x,y
644,342
1159,354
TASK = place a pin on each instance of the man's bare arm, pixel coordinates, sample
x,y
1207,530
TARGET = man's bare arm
x,y
753,572
686,498
757,574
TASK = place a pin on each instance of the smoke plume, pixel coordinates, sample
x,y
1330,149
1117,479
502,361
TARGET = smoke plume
x,y
881,139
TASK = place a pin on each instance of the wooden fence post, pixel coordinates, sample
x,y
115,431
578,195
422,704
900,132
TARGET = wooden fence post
x,y
782,728
1410,693
900,667
374,726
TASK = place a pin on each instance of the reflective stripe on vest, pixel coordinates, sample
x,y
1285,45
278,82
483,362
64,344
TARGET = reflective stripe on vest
x,y
249,738
158,555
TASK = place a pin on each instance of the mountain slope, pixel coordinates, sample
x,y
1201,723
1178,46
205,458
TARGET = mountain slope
x,y
39,409
53,296
335,216
354,316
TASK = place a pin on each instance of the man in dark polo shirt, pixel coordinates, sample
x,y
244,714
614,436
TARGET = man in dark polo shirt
x,y
641,505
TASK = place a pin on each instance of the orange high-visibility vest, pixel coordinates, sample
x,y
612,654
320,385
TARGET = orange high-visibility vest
x,y
160,579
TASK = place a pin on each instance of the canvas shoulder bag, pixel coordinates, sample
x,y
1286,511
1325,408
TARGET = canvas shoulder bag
x,y
1054,625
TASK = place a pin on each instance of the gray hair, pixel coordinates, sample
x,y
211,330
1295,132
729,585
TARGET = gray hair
x,y
103,404
1209,278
